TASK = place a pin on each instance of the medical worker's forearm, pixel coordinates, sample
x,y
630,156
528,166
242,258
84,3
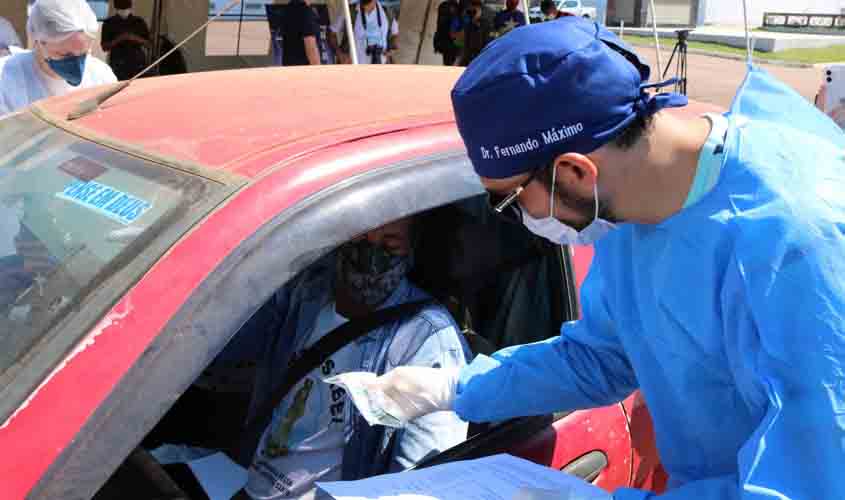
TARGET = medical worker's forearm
x,y
535,379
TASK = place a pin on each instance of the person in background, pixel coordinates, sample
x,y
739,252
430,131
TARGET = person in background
x,y
300,31
376,33
476,32
444,44
8,37
550,10
509,18
125,36
63,32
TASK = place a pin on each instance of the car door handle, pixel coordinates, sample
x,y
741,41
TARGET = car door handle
x,y
587,467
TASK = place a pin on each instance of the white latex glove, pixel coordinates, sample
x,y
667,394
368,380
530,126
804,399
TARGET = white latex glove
x,y
400,395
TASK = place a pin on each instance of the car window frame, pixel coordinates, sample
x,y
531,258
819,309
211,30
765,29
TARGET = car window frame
x,y
206,321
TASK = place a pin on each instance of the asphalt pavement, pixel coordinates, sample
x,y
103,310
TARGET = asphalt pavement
x,y
715,79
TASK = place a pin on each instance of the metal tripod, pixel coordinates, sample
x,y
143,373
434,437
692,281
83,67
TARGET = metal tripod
x,y
680,50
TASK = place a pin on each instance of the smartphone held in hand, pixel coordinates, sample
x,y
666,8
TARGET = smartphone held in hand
x,y
833,92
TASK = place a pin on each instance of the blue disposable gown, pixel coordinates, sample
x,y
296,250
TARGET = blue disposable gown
x,y
729,315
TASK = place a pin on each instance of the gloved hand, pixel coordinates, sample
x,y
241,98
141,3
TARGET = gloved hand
x,y
400,395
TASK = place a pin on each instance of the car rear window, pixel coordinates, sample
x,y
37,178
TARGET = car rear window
x,y
73,216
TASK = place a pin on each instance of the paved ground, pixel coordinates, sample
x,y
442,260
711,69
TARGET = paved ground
x,y
715,80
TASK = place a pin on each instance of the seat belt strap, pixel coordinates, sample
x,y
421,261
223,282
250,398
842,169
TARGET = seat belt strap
x,y
312,358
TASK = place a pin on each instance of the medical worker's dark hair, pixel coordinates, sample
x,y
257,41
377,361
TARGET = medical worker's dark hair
x,y
636,130
626,140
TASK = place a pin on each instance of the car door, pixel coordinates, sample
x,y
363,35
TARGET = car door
x,y
329,207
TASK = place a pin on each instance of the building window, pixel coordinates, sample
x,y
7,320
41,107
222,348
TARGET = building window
x,y
242,31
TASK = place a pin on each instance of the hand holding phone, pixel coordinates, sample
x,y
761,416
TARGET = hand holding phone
x,y
831,98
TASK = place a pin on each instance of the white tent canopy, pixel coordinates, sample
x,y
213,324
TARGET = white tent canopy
x,y
178,18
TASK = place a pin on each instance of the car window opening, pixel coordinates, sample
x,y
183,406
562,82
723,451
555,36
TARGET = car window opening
x,y
501,287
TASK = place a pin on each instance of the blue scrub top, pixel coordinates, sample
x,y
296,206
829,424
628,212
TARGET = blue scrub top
x,y
729,316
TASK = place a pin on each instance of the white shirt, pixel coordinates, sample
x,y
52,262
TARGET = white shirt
x,y
8,35
315,440
372,35
22,82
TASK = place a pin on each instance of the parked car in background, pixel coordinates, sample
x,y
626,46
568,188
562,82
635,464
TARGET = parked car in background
x,y
580,8
137,240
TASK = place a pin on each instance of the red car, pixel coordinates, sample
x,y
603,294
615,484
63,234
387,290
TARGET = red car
x,y
135,241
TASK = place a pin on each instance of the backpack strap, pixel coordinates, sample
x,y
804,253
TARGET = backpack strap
x,y
353,13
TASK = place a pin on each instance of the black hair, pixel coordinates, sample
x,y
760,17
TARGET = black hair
x,y
547,5
638,129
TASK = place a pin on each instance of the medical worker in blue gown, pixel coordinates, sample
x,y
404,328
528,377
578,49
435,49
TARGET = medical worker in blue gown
x,y
718,285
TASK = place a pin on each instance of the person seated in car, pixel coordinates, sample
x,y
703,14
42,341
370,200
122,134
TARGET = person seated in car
x,y
316,434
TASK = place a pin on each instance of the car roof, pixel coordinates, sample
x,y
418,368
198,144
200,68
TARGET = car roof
x,y
215,121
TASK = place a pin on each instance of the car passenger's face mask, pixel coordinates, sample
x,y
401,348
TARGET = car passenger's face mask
x,y
124,13
558,232
370,272
70,68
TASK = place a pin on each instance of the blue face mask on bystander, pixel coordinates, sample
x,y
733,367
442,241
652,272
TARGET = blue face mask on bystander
x,y
70,68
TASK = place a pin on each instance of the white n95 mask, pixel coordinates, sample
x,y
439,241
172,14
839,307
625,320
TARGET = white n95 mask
x,y
558,232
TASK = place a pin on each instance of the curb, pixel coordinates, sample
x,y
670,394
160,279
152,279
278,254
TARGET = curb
x,y
823,65
720,55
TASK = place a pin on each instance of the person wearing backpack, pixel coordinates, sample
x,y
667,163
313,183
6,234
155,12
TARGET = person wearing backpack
x,y
476,32
376,33
447,12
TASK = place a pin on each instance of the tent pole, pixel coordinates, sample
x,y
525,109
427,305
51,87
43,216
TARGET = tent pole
x,y
350,31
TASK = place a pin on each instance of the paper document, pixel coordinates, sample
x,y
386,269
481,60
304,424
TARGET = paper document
x,y
219,476
370,402
499,477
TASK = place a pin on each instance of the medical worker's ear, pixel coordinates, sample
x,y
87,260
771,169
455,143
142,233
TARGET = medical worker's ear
x,y
576,173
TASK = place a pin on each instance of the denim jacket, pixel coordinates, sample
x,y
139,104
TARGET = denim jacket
x,y
430,338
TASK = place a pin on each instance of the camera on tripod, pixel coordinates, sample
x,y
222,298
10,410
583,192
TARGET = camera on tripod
x,y
680,50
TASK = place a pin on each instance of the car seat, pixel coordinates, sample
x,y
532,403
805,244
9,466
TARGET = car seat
x,y
495,277
492,275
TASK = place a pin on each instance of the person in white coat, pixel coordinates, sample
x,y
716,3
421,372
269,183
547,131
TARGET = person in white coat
x,y
8,37
63,32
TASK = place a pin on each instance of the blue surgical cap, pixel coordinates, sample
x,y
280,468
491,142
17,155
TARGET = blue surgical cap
x,y
543,90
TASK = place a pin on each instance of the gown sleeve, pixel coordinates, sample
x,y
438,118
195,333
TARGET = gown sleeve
x,y
583,367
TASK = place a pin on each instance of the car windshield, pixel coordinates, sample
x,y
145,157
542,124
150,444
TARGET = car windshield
x,y
571,4
73,216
